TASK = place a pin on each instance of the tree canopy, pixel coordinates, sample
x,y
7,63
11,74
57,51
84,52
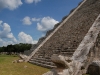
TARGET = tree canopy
x,y
17,48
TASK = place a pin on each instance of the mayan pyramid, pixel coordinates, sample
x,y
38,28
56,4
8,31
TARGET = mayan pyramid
x,y
67,35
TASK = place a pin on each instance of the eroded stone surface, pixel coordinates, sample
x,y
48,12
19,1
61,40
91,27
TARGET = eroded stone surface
x,y
79,58
74,40
65,39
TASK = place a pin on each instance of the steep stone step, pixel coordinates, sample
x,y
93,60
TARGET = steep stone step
x,y
42,63
68,35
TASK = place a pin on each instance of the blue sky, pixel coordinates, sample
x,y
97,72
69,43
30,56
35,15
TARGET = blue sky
x,y
25,21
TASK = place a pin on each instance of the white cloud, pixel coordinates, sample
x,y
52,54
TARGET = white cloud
x,y
5,42
31,1
10,4
5,32
46,24
1,22
6,36
35,19
25,38
2,43
6,27
27,21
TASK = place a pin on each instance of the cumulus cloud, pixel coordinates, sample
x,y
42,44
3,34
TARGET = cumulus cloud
x,y
10,4
2,43
5,32
31,1
6,36
35,19
46,24
25,38
1,22
5,42
27,20
43,24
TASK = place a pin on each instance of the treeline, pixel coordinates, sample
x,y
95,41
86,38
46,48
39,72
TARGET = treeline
x,y
14,49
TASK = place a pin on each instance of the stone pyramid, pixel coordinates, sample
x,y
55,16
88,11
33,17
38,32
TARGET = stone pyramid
x,y
74,37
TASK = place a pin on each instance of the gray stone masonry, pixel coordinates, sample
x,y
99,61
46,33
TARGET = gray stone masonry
x,y
66,38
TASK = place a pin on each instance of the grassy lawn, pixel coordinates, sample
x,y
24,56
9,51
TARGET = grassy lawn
x,y
9,68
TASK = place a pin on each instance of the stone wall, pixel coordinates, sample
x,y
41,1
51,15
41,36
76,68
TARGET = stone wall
x,y
68,37
86,58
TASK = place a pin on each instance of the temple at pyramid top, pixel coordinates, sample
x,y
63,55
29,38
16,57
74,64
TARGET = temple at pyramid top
x,y
67,36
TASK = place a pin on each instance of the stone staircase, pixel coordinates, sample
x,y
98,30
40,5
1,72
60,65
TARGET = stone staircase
x,y
44,62
65,39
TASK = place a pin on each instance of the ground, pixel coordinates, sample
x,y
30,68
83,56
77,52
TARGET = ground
x,y
9,68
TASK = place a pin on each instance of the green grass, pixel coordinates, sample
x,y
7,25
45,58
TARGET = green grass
x,y
9,68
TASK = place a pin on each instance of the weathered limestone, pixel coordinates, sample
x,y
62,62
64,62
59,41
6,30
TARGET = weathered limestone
x,y
74,44
77,65
65,66
66,38
53,32
24,57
